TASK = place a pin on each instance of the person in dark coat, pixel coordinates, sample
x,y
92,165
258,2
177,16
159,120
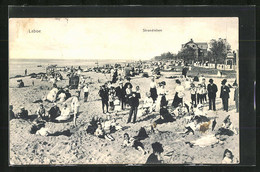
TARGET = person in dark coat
x,y
11,113
67,93
165,116
212,90
134,103
23,114
120,93
114,79
54,112
236,96
155,157
128,83
184,71
103,93
224,94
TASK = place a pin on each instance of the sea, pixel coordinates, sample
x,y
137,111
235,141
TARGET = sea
x,y
18,66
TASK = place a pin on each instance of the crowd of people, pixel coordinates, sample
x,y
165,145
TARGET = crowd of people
x,y
120,94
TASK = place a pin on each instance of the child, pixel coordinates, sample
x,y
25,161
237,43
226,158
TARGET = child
x,y
85,89
134,143
101,133
148,104
199,94
227,157
204,91
111,98
193,91
128,93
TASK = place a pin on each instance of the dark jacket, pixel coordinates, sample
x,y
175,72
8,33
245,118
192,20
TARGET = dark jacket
x,y
103,93
134,101
212,90
224,94
120,92
126,85
236,98
54,112
23,114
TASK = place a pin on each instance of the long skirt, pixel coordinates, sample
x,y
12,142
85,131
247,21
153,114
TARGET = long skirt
x,y
153,92
176,101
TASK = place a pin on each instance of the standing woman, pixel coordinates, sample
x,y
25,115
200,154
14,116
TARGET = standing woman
x,y
178,98
75,106
224,94
153,90
161,96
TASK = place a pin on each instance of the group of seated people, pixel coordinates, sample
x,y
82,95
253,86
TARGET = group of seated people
x,y
103,128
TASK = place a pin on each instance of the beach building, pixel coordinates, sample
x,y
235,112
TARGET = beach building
x,y
201,49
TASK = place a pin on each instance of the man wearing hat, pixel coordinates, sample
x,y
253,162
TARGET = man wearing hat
x,y
120,93
212,90
224,94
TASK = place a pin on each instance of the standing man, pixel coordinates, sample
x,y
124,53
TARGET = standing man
x,y
134,103
224,94
120,93
103,93
25,72
212,90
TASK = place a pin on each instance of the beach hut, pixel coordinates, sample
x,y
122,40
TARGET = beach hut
x,y
74,82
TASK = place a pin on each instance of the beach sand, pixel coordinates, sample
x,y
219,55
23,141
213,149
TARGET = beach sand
x,y
83,148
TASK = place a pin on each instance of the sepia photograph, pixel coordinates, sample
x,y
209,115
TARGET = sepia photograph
x,y
124,90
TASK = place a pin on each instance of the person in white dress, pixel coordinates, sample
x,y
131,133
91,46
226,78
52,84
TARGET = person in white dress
x,y
161,94
52,94
65,113
75,106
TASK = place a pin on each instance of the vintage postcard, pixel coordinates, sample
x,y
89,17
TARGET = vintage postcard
x,y
123,90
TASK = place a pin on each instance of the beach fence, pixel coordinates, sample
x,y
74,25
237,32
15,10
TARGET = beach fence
x,y
219,66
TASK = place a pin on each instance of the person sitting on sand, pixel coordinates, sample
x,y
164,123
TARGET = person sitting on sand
x,y
22,114
51,97
133,143
228,157
165,116
109,125
148,105
227,127
11,113
65,113
192,127
101,133
180,111
21,84
54,112
61,96
199,111
93,125
155,157
41,112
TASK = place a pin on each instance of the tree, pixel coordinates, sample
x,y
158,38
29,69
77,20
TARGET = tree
x,y
165,56
219,49
187,54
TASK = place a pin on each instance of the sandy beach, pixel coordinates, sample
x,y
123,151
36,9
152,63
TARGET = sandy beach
x,y
83,148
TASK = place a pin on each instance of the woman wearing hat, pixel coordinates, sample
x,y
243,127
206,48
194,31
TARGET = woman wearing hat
x,y
224,94
161,96
178,98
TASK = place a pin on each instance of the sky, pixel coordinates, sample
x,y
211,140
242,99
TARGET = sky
x,y
113,38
